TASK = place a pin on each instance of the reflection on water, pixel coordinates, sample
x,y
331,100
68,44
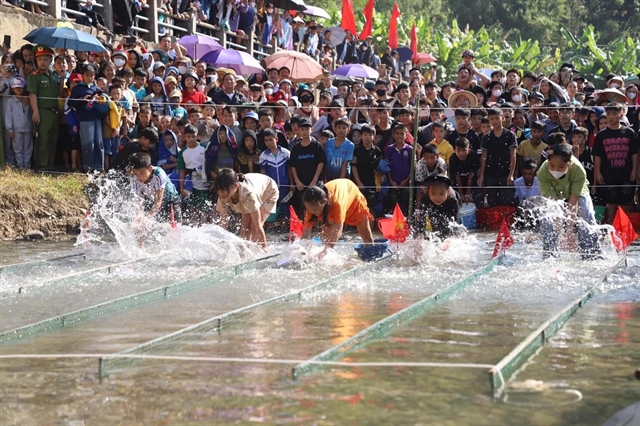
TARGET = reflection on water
x,y
594,355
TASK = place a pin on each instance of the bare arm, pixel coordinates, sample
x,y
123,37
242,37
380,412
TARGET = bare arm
x,y
157,202
512,166
331,234
319,168
483,164
33,100
257,230
597,161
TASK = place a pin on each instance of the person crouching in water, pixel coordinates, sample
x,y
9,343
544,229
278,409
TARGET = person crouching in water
x,y
439,210
160,197
253,195
335,204
562,177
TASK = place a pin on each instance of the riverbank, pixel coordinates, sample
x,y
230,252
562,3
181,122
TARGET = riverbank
x,y
51,204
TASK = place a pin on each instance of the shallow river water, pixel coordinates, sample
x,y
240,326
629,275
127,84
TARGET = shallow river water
x,y
582,376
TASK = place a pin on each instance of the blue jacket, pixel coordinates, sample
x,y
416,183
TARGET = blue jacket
x,y
86,111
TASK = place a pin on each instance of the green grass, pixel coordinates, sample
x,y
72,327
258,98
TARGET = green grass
x,y
28,184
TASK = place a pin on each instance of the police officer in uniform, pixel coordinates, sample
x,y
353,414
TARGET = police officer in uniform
x,y
43,90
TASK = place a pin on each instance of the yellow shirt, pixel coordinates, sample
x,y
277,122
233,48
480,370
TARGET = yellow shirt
x,y
445,150
529,152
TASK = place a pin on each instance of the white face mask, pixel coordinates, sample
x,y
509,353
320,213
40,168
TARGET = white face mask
x,y
516,98
182,69
614,85
269,92
119,62
496,93
631,95
292,109
557,174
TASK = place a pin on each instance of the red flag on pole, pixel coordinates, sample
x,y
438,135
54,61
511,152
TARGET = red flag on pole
x,y
348,19
393,27
400,226
504,240
296,228
624,233
368,16
414,43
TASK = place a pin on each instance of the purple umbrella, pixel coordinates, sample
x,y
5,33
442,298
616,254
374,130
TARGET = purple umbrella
x,y
240,62
356,70
199,45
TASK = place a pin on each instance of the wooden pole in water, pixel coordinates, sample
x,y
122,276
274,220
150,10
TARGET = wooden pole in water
x,y
416,121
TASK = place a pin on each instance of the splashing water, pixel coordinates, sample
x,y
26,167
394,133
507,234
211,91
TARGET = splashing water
x,y
117,214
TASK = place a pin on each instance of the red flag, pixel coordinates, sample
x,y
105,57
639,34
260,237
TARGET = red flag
x,y
414,43
624,233
348,19
368,25
400,226
296,228
393,27
504,240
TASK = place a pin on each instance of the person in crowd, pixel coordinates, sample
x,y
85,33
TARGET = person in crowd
x,y
615,157
445,150
248,155
339,151
533,148
526,185
400,155
498,162
17,121
430,164
253,195
463,171
438,211
366,158
562,177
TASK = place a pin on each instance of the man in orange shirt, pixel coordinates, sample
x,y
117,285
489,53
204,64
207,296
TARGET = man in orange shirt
x,y
335,204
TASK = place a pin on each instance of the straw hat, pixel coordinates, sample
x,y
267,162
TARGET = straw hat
x,y
453,99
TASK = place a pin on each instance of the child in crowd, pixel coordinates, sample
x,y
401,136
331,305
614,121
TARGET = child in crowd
x,y
112,125
325,135
339,151
307,163
139,82
221,152
534,148
429,164
158,99
159,195
562,177
176,99
527,186
249,155
465,165
274,162
445,150
583,153
615,157
168,151
191,162
498,162
144,122
102,84
195,115
462,117
366,158
439,209
17,121
73,125
400,156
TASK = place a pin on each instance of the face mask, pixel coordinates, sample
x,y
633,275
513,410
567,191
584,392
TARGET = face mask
x,y
516,98
182,69
269,11
252,4
292,109
269,92
213,78
381,92
305,99
496,93
424,113
119,62
200,87
631,95
614,85
557,174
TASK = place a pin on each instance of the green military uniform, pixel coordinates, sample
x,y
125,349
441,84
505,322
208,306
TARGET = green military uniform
x,y
2,159
45,86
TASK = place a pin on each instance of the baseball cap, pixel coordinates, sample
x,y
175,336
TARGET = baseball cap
x,y
304,122
175,94
251,114
18,82
157,65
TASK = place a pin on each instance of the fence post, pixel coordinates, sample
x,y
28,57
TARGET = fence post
x,y
250,41
192,23
55,9
107,12
223,38
153,21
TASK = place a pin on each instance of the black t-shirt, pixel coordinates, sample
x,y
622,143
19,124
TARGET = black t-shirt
x,y
366,161
440,216
472,137
498,153
587,163
121,161
615,148
306,159
463,169
282,140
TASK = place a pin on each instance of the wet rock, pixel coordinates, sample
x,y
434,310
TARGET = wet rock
x,y
33,235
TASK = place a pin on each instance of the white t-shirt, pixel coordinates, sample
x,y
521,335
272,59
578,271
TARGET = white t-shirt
x,y
194,159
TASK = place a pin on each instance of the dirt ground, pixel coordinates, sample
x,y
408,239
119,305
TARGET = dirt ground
x,y
53,205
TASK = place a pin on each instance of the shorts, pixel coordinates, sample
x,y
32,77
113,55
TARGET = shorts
x,y
619,194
